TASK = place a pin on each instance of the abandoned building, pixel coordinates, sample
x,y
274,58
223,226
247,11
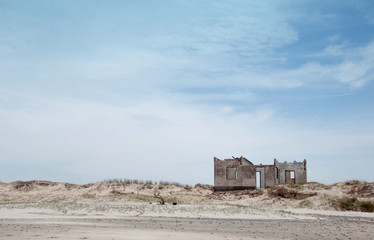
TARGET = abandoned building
x,y
240,173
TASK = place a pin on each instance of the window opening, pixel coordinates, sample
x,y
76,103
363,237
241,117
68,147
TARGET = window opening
x,y
231,173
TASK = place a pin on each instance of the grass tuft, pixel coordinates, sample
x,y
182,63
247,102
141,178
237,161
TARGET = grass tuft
x,y
353,204
204,186
306,204
282,191
352,182
366,206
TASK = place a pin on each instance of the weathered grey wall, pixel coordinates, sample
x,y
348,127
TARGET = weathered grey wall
x,y
298,167
246,174
269,176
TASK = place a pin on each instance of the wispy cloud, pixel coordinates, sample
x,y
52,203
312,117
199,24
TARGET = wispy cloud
x,y
355,68
169,85
90,139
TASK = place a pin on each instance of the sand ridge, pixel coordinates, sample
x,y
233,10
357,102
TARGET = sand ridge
x,y
118,210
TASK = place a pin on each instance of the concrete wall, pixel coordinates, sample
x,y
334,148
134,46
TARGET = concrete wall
x,y
270,176
298,167
246,173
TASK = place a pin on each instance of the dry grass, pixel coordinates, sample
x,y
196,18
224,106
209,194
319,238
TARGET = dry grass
x,y
348,196
30,185
353,204
292,191
125,181
147,182
100,205
315,186
204,186
255,193
352,182
362,189
305,204
282,191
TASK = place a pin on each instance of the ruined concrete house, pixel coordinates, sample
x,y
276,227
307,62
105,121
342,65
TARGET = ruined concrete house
x,y
240,173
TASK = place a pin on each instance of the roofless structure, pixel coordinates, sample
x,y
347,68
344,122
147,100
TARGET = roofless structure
x,y
240,173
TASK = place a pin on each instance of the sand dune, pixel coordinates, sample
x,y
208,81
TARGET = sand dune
x,y
119,210
311,195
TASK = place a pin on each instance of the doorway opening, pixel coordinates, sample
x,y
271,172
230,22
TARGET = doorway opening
x,y
258,180
290,177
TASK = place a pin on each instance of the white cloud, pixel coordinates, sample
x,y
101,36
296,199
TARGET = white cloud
x,y
333,50
191,46
158,96
354,70
160,139
334,38
196,49
370,16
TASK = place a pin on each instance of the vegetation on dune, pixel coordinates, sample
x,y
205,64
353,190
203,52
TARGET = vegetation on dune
x,y
289,191
306,204
282,191
353,182
125,181
361,189
353,204
352,195
204,186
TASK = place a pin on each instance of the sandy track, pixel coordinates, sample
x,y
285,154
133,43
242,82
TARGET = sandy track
x,y
131,228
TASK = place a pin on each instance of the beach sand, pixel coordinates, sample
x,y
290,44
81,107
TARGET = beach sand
x,y
46,210
30,223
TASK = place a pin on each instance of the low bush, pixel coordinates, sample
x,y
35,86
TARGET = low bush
x,y
298,186
174,183
352,182
116,192
281,191
306,204
353,204
347,204
363,189
30,185
366,206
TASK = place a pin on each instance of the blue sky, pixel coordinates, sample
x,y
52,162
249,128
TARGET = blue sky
x,y
92,90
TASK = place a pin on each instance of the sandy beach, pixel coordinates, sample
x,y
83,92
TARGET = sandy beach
x,y
45,210
39,226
